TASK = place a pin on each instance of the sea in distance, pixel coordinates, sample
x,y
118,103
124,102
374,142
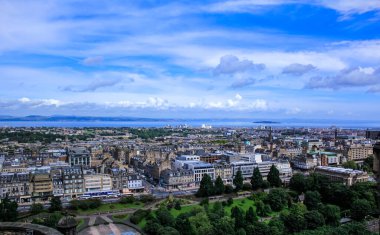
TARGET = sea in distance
x,y
196,123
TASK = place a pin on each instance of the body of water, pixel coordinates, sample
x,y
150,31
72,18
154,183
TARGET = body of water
x,y
195,123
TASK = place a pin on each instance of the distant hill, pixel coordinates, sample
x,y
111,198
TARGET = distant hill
x,y
267,122
77,118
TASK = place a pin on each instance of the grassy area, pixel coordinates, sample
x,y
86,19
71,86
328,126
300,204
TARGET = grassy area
x,y
243,203
184,209
111,207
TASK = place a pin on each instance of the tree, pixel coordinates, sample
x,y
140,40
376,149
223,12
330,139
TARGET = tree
x,y
200,224
183,225
294,220
206,187
276,226
238,215
238,181
164,216
8,210
241,231
258,229
168,231
55,204
298,183
350,165
274,177
218,210
250,215
277,199
312,200
152,228
36,208
219,186
224,226
177,205
257,179
228,189
331,214
314,219
359,209
261,209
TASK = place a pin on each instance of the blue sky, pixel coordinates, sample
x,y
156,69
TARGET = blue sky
x,y
191,59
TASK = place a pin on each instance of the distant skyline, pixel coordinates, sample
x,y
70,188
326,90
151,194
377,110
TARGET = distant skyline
x,y
259,59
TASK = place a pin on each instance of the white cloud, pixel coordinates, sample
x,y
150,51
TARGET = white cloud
x,y
352,77
24,100
259,104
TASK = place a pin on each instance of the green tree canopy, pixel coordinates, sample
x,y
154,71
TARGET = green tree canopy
x,y
360,208
314,219
238,181
164,216
298,183
277,199
294,220
331,214
350,165
274,177
257,179
8,210
55,204
206,187
312,200
219,186
250,215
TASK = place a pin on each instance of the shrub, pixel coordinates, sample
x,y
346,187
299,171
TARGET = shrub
x,y
139,215
230,201
247,186
177,205
205,201
127,200
36,208
228,189
146,198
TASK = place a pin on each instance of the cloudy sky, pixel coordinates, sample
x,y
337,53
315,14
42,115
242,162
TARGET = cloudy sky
x,y
191,59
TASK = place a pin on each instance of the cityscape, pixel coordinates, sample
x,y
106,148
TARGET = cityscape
x,y
157,117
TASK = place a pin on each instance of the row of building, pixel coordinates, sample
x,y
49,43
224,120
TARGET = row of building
x,y
187,170
68,182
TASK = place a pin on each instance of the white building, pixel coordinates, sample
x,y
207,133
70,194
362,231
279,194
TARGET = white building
x,y
135,183
199,169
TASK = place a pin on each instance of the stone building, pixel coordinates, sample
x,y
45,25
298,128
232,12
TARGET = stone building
x,y
79,157
177,179
72,182
41,186
346,176
16,186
